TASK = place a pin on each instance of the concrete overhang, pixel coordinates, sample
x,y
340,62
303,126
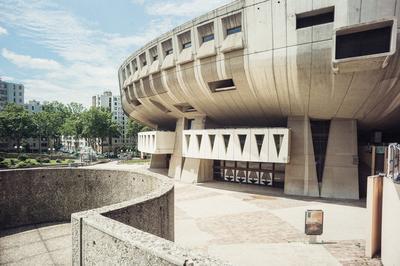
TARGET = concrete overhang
x,y
366,61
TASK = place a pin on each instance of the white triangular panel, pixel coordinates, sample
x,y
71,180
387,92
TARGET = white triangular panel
x,y
242,155
283,156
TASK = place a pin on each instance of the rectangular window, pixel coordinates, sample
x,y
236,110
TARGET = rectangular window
x,y
168,52
221,85
373,41
155,57
208,38
186,45
233,30
315,17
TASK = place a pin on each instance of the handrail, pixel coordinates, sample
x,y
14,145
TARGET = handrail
x,y
393,162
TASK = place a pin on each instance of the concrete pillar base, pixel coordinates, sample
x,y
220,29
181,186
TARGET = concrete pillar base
x,y
300,173
340,178
197,170
158,161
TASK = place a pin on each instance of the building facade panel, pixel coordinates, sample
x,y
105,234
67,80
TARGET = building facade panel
x,y
260,64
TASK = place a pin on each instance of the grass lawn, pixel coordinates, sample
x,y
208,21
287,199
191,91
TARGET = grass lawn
x,y
135,161
15,163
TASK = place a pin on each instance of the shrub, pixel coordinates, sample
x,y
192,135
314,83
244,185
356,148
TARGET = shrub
x,y
3,164
22,165
22,157
45,160
58,161
1,159
12,162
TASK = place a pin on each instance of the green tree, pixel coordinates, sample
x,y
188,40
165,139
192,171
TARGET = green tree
x,y
16,123
98,124
55,114
73,127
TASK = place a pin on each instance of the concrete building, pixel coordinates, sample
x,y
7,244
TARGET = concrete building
x,y
280,93
113,103
11,93
33,106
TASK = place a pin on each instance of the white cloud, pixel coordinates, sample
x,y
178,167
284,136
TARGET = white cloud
x,y
26,61
89,58
185,8
6,78
3,31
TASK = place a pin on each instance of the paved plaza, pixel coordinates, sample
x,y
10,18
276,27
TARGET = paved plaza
x,y
241,224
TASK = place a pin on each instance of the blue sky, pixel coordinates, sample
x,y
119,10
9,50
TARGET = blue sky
x,y
70,50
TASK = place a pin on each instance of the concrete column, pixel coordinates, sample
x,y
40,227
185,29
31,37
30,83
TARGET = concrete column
x,y
175,165
374,216
340,178
300,173
158,161
197,170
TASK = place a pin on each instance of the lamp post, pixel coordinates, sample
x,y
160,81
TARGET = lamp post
x,y
18,149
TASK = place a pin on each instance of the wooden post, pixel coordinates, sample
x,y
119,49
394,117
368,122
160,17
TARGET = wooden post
x,y
374,215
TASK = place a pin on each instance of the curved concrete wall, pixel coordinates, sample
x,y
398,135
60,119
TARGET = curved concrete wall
x,y
52,195
279,70
118,217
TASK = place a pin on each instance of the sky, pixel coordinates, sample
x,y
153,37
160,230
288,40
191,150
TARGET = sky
x,y
70,50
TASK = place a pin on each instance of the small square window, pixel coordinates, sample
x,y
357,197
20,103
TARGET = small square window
x,y
168,52
187,45
233,30
208,38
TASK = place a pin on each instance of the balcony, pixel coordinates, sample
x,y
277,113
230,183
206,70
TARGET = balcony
x,y
156,142
248,145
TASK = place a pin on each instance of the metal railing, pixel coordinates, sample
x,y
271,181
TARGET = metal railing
x,y
393,162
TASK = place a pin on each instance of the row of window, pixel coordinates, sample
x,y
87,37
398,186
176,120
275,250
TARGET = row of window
x,y
231,24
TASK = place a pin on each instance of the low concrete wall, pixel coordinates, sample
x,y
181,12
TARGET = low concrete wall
x,y
390,246
118,217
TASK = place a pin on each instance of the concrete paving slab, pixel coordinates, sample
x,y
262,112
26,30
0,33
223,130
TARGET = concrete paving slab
x,y
15,254
19,239
62,257
54,230
215,206
296,254
340,222
188,234
41,259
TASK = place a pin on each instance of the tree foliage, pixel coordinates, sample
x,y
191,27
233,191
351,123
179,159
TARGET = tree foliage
x,y
16,123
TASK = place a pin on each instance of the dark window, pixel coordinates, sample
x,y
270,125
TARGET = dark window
x,y
315,17
186,45
189,124
144,63
208,38
368,42
320,134
168,52
155,57
234,30
221,85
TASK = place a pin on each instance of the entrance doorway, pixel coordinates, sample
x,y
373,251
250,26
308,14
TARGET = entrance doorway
x,y
264,174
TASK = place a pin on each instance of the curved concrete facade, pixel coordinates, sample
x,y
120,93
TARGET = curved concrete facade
x,y
266,64
278,69
118,217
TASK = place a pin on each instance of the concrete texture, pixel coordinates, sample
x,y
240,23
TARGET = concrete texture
x,y
130,221
300,173
253,225
340,179
43,244
242,224
390,223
